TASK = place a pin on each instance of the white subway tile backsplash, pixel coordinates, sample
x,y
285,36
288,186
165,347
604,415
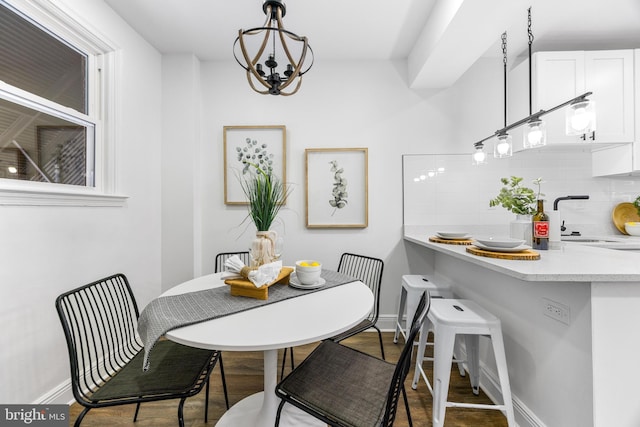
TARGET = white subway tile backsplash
x,y
460,195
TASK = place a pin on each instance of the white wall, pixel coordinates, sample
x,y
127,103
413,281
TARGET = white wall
x,y
346,104
180,147
46,251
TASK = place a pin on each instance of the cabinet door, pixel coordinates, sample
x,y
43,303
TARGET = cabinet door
x,y
558,77
609,75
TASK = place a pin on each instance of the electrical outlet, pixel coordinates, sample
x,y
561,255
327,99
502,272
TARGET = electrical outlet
x,y
556,310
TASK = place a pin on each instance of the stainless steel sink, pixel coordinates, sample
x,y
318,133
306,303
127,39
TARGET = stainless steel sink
x,y
586,239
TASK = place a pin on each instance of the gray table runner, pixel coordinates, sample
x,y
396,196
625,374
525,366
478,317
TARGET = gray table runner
x,y
171,312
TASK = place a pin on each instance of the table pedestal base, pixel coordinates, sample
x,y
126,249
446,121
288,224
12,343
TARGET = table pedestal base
x,y
246,413
259,410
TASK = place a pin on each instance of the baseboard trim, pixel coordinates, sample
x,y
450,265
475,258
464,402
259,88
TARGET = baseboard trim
x,y
59,395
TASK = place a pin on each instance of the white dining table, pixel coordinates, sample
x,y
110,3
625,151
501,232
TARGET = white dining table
x,y
288,323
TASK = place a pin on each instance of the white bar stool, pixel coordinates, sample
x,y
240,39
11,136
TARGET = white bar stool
x,y
464,317
413,285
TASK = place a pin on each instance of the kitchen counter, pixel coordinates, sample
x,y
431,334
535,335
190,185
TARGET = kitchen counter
x,y
575,261
568,321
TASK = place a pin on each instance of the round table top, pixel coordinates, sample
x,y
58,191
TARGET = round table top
x,y
289,323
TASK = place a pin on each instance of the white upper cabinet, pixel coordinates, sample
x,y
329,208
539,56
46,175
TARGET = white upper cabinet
x,y
560,76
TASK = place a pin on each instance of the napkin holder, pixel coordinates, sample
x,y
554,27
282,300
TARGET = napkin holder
x,y
244,287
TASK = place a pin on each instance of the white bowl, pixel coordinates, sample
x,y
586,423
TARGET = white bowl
x,y
308,274
500,242
632,228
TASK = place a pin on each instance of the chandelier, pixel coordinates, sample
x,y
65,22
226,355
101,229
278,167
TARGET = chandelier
x,y
270,47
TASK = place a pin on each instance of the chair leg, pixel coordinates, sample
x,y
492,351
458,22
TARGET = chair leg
x,y
181,412
279,412
292,361
206,402
284,360
380,338
224,381
406,406
81,417
135,416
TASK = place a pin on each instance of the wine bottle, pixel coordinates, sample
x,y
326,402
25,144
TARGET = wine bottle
x,y
540,222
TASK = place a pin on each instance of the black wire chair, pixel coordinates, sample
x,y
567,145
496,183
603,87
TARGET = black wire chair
x,y
222,257
369,271
105,353
344,387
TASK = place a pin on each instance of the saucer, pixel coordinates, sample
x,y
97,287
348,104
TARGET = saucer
x,y
294,282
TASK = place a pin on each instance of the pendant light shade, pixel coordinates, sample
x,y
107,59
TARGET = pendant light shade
x,y
535,133
479,157
279,57
581,117
503,146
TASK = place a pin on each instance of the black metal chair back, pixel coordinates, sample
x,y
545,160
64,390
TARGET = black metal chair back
x,y
222,257
99,322
369,271
404,363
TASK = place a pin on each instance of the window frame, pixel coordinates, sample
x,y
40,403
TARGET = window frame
x,y
101,99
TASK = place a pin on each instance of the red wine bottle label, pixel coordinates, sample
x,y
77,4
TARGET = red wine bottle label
x,y
541,229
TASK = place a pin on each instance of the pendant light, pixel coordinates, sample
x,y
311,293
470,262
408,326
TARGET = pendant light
x,y
479,157
581,117
503,145
535,132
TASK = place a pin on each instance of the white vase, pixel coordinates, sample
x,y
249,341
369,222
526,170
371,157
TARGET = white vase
x,y
263,248
521,229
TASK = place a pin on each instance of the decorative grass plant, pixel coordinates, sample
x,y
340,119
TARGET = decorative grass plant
x,y
266,194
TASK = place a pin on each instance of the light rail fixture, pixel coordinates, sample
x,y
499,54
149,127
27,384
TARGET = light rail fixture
x,y
580,118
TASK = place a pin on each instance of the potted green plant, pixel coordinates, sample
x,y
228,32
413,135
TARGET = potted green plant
x,y
266,194
517,198
520,200
636,203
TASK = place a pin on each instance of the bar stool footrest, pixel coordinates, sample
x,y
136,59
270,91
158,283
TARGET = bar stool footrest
x,y
475,406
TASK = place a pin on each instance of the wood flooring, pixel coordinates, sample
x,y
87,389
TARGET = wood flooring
x,y
244,377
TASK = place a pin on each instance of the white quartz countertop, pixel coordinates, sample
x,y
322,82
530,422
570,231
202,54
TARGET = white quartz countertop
x,y
573,262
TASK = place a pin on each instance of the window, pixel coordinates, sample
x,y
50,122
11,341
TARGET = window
x,y
52,85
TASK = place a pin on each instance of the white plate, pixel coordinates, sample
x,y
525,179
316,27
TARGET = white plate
x,y
500,242
496,249
452,235
294,282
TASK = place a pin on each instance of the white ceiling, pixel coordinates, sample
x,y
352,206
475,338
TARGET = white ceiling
x,y
439,38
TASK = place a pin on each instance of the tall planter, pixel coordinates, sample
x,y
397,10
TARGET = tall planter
x,y
263,248
520,228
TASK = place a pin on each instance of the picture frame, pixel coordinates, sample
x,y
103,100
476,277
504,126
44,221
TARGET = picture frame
x,y
337,187
271,141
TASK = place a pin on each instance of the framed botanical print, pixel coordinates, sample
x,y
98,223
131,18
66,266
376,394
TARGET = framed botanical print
x,y
248,147
337,187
